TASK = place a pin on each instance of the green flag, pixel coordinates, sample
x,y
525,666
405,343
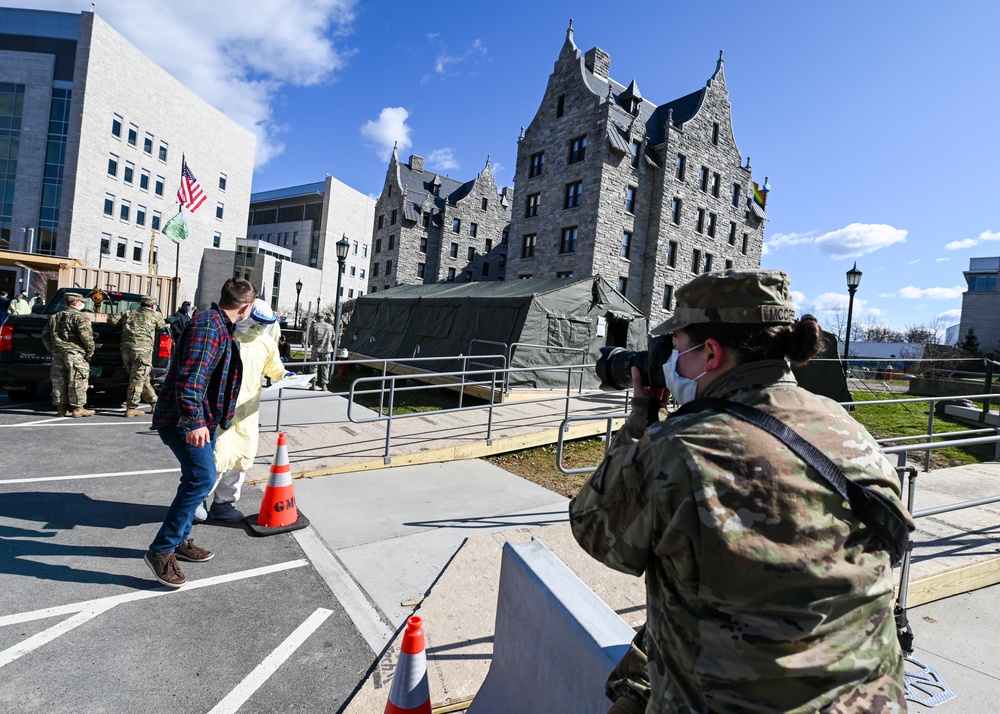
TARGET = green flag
x,y
176,229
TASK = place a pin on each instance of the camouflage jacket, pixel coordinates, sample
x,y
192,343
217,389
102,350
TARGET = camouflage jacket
x,y
321,336
69,331
764,592
139,327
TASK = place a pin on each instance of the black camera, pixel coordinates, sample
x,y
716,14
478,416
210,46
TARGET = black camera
x,y
614,368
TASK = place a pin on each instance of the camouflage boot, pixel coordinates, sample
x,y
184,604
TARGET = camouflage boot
x,y
61,409
81,412
131,411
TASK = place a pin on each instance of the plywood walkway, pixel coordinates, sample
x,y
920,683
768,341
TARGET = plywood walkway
x,y
321,445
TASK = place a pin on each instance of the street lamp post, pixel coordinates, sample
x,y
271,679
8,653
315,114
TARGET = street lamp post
x,y
298,292
853,280
342,247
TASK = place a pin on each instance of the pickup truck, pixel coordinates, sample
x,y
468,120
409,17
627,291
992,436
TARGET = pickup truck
x,y
24,361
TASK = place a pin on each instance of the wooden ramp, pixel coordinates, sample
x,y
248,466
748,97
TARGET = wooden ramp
x,y
958,551
340,446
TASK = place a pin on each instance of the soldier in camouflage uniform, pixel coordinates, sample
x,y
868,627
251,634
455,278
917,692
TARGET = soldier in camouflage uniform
x,y
140,327
68,335
321,336
764,591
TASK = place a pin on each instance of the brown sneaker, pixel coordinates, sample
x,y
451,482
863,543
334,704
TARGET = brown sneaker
x,y
193,554
165,569
61,409
134,412
81,412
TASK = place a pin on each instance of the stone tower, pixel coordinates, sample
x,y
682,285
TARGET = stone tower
x,y
646,195
433,229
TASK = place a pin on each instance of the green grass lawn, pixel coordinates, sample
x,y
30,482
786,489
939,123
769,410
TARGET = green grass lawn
x,y
889,420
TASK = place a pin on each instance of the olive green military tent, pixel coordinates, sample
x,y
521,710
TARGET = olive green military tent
x,y
539,323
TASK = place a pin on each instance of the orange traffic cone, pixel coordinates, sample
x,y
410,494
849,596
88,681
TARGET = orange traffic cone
x,y
409,693
278,512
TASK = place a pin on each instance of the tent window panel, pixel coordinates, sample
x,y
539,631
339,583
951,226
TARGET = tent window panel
x,y
564,332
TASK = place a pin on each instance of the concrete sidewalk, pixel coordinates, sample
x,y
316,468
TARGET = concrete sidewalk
x,y
428,539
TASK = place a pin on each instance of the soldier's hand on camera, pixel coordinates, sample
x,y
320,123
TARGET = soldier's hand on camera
x,y
641,390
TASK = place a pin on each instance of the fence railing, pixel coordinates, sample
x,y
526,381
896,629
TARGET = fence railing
x,y
388,386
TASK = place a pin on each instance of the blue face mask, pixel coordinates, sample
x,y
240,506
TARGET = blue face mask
x,y
683,389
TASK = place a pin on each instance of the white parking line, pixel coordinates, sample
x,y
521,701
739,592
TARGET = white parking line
x,y
87,610
40,479
59,421
262,672
114,600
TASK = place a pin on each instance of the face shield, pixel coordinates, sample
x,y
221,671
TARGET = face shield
x,y
260,320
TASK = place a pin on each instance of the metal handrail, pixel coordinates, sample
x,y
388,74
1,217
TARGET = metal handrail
x,y
494,380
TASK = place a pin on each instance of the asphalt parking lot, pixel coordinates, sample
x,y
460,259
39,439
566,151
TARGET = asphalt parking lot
x,y
84,627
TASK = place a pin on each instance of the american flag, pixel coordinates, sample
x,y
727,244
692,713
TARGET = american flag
x,y
190,193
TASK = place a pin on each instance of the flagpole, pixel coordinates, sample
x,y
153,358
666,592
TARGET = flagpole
x,y
177,273
152,249
177,255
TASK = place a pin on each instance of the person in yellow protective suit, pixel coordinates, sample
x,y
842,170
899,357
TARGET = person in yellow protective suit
x,y
235,448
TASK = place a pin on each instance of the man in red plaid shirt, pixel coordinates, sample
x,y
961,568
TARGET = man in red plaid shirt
x,y
198,397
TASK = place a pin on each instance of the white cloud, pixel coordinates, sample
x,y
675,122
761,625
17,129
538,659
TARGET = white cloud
x,y
474,55
852,241
917,260
779,240
969,242
798,298
388,130
442,159
234,57
911,292
497,168
951,315
829,302
941,260
859,239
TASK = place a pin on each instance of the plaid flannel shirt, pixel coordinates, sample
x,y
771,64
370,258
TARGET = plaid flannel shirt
x,y
203,378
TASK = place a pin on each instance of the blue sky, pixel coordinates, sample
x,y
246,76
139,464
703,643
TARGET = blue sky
x,y
875,122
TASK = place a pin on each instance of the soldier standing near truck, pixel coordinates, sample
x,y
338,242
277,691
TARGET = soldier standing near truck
x,y
69,336
140,327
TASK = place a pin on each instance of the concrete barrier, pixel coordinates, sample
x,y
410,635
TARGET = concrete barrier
x,y
555,641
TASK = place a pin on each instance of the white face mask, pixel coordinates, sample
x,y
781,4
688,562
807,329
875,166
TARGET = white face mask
x,y
683,389
248,327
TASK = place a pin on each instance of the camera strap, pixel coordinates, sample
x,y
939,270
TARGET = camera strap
x,y
868,505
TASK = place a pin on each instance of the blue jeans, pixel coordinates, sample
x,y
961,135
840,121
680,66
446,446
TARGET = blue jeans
x,y
197,480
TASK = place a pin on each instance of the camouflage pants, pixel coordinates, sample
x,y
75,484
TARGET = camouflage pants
x,y
69,373
629,680
139,363
322,370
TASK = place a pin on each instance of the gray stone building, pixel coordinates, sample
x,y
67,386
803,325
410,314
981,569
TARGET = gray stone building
x,y
92,135
645,195
433,229
291,235
981,304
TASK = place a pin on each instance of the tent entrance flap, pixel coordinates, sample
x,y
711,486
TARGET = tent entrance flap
x,y
617,330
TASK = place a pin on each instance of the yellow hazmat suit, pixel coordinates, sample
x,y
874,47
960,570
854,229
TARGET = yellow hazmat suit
x,y
236,447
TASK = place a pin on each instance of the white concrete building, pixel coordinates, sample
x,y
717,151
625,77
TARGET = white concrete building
x,y
92,134
291,236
